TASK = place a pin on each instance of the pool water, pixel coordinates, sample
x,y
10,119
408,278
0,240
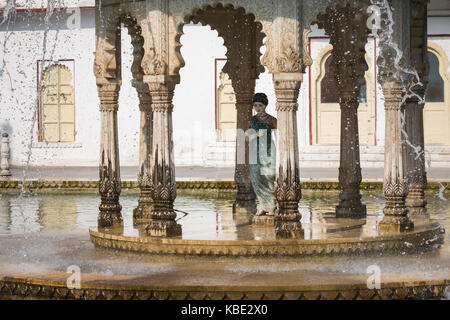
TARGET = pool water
x,y
209,216
40,233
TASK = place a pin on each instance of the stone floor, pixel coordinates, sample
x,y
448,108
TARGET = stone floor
x,y
202,173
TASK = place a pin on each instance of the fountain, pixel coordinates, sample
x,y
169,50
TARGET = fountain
x,y
301,252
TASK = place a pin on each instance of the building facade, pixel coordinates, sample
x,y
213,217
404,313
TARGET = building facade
x,y
49,102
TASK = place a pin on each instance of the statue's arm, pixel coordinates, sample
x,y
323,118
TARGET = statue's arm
x,y
250,133
274,123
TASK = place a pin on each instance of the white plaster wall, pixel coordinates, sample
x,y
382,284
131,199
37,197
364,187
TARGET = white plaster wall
x,y
20,49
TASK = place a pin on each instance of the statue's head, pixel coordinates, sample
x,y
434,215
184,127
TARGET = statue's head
x,y
260,102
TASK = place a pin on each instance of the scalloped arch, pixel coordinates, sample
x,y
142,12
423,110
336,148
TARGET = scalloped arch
x,y
443,58
194,14
52,66
108,54
319,68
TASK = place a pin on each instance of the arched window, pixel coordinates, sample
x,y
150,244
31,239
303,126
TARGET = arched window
x,y
226,113
435,89
329,89
57,108
328,86
437,109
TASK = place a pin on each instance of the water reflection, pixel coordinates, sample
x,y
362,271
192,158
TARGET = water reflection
x,y
210,216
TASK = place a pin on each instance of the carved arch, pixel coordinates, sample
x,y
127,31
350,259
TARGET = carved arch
x,y
107,65
444,63
441,108
108,53
261,17
237,28
323,55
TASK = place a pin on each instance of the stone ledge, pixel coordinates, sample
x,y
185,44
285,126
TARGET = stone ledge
x,y
132,186
408,242
26,288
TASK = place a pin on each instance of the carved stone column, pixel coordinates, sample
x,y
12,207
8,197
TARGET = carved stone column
x,y
346,24
395,213
350,169
287,184
245,196
162,166
415,157
109,184
145,203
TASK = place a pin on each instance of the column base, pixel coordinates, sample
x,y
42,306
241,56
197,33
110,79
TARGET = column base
x,y
5,173
110,215
351,212
416,205
392,224
417,213
163,228
110,220
288,226
350,206
143,212
244,207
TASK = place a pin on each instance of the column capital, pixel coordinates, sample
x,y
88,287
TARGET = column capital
x,y
109,95
145,101
393,94
161,94
287,77
287,88
418,96
244,100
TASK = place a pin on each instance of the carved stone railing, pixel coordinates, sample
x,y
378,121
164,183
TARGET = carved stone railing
x,y
5,169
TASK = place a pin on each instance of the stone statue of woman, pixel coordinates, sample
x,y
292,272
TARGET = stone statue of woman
x,y
263,155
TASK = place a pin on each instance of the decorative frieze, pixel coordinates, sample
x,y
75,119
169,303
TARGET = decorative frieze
x,y
26,288
411,242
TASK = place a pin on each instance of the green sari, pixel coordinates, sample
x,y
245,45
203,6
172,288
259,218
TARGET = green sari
x,y
263,164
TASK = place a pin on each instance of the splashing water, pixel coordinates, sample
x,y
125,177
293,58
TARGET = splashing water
x,y
52,7
408,76
10,5
52,10
441,192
